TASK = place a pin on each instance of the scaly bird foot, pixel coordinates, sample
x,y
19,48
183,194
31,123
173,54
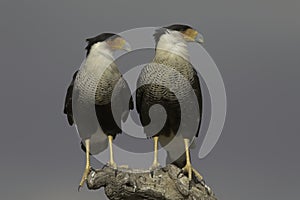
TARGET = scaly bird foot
x,y
198,176
188,169
114,166
84,177
154,166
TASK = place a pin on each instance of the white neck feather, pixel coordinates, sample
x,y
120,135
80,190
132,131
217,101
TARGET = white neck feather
x,y
100,56
173,41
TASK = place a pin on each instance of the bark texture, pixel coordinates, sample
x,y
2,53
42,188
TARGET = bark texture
x,y
167,183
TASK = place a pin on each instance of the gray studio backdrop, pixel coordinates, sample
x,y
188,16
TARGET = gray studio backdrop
x,y
255,44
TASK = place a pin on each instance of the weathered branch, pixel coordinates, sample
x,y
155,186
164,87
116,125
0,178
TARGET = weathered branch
x,y
167,183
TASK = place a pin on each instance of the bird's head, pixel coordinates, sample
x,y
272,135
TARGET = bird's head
x,y
188,33
111,41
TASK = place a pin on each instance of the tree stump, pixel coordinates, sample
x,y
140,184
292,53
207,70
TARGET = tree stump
x,y
166,183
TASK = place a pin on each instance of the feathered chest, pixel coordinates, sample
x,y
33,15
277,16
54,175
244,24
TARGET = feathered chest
x,y
167,78
95,83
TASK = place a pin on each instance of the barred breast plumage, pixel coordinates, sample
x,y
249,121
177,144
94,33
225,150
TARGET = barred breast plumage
x,y
96,85
164,75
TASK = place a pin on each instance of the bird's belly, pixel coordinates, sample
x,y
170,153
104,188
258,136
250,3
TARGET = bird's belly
x,y
181,112
170,96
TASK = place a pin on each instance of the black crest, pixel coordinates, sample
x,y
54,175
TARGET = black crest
x,y
175,27
99,38
178,27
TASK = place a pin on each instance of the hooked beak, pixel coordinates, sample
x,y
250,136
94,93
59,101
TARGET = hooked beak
x,y
126,47
199,39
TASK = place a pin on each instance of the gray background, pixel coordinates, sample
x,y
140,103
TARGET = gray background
x,y
254,43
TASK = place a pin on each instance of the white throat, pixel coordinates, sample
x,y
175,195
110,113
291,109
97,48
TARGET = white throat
x,y
173,41
99,56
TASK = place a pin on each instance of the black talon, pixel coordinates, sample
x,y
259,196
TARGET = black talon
x,y
202,182
152,173
181,172
79,187
208,190
190,185
105,165
116,172
197,179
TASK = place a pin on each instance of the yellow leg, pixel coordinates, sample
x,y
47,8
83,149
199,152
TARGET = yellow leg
x,y
111,160
155,161
199,176
87,166
188,168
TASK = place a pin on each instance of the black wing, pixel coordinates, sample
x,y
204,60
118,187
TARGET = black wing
x,y
68,101
131,105
125,93
139,97
197,89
